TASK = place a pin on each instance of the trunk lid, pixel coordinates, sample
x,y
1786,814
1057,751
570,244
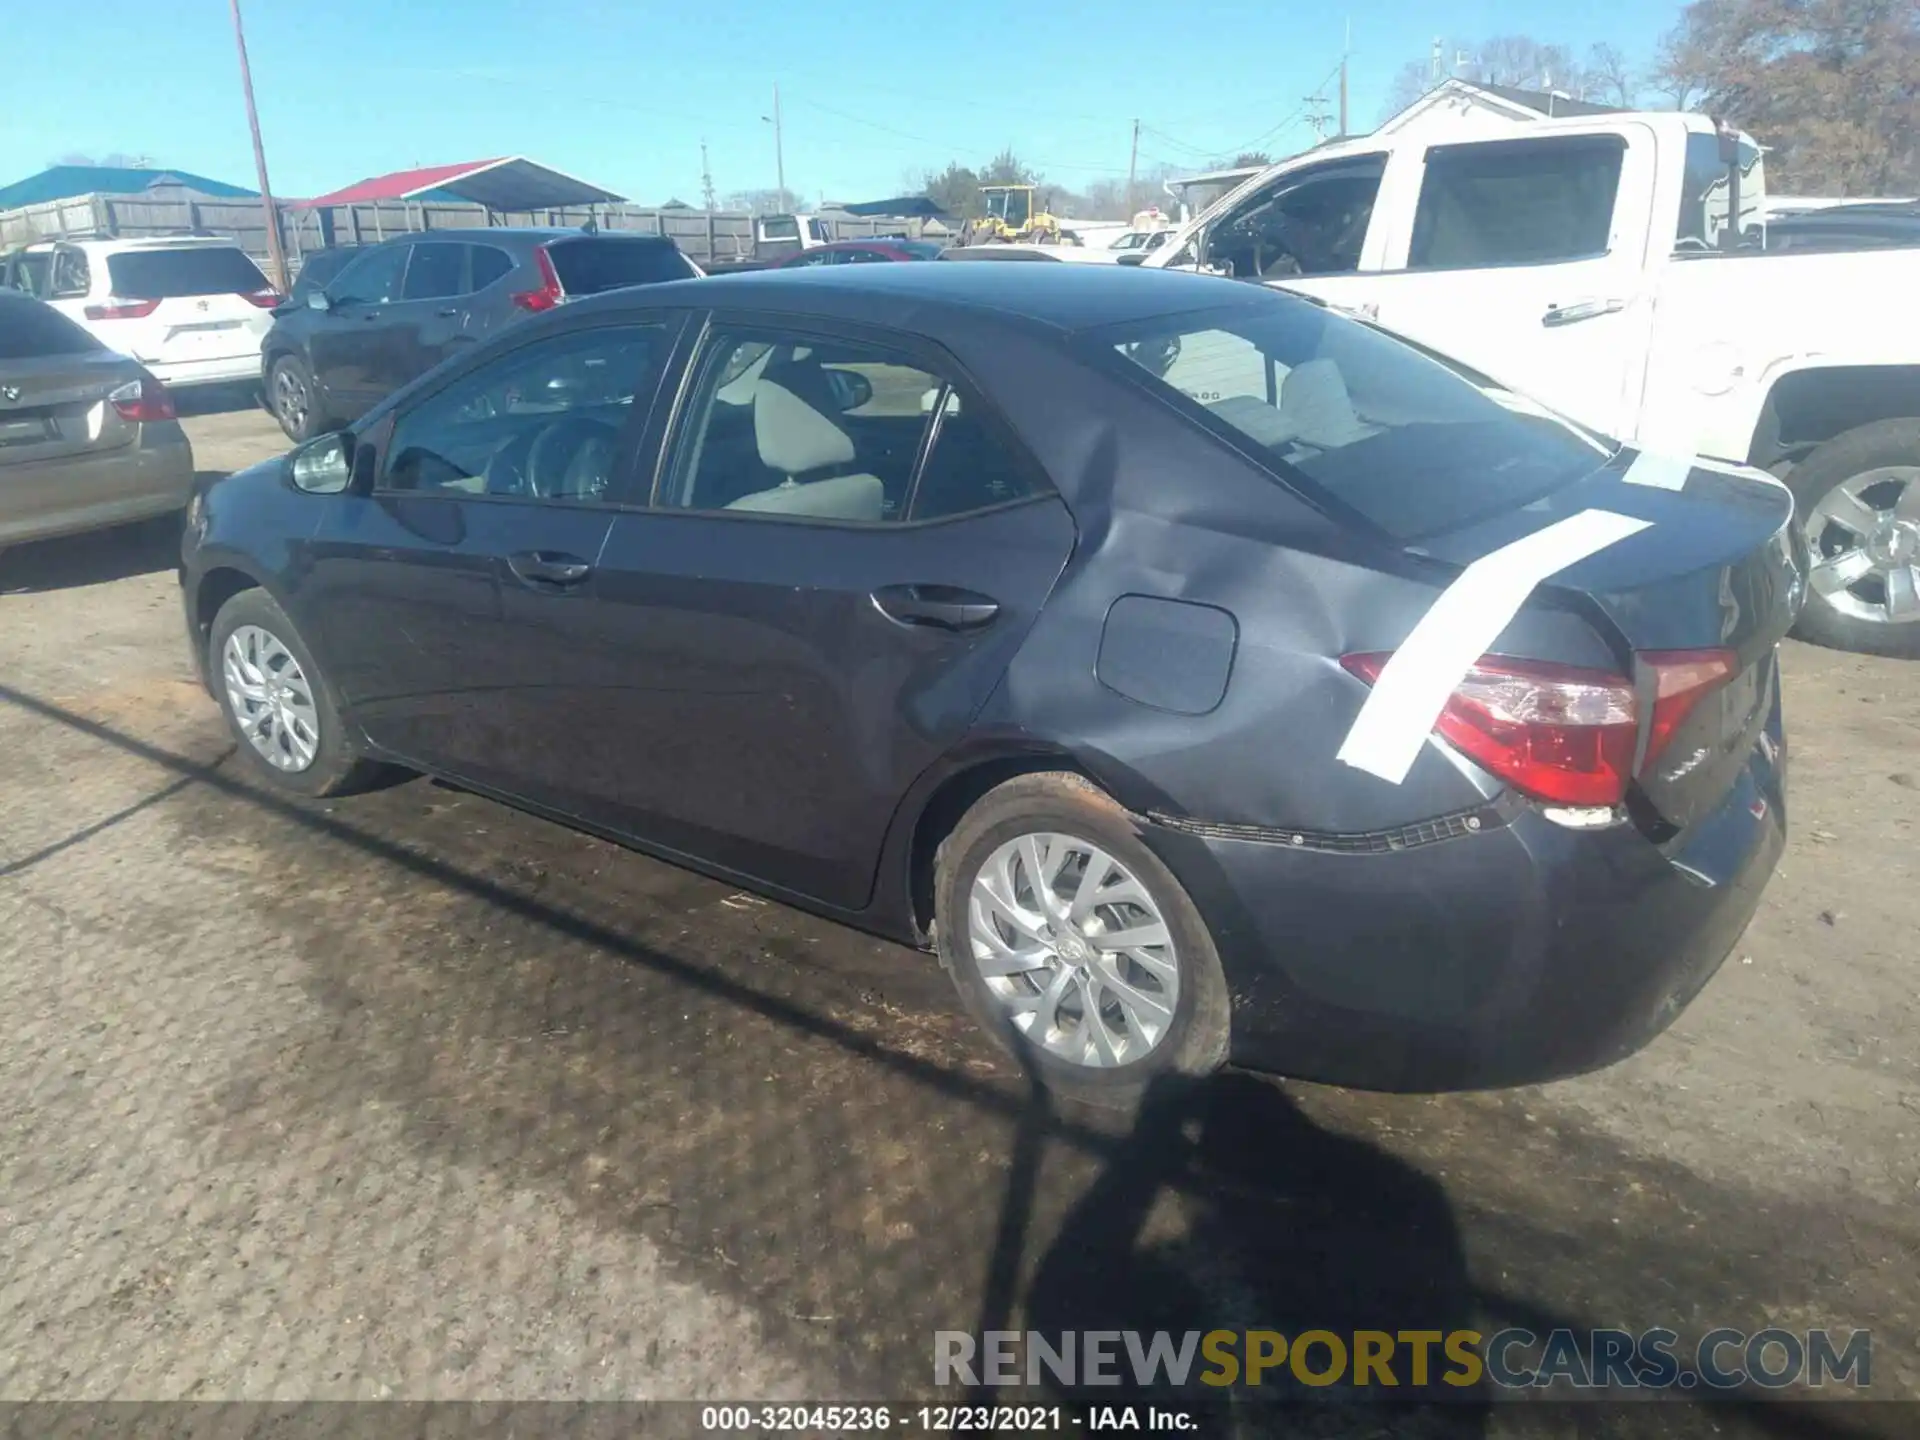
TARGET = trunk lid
x,y
1720,566
201,309
56,406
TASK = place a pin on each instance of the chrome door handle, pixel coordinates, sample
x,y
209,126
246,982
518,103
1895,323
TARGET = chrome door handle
x,y
1580,310
545,567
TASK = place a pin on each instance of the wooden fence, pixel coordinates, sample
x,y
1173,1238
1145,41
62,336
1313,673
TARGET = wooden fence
x,y
702,235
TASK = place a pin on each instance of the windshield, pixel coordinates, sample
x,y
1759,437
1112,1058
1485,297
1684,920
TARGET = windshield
x,y
196,270
1405,440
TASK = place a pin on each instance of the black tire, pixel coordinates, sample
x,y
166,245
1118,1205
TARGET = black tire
x,y
289,382
1869,447
1194,1042
336,769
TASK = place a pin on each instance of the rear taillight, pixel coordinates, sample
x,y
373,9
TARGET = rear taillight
x,y
549,294
142,401
265,299
1564,734
113,308
1682,679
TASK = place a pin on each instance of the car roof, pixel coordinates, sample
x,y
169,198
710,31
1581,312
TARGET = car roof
x,y
1061,297
532,234
142,242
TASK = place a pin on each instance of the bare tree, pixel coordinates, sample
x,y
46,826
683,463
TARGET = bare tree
x,y
1673,76
1831,86
1410,82
1610,80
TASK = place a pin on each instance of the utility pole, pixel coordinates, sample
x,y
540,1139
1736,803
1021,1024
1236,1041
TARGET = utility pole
x,y
779,152
1344,49
1317,116
1133,166
706,177
275,255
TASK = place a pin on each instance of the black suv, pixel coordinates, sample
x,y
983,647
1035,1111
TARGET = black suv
x,y
399,308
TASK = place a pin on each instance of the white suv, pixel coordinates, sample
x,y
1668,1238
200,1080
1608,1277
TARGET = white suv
x,y
193,310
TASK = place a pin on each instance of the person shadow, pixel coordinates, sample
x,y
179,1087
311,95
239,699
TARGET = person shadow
x,y
1227,1208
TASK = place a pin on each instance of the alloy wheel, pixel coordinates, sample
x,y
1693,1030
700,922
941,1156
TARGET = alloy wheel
x,y
290,398
1865,538
271,698
1073,947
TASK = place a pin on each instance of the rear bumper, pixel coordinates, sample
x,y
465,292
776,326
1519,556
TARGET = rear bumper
x,y
1520,952
226,370
152,476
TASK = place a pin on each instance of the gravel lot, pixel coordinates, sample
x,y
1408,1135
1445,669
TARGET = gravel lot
x,y
409,1095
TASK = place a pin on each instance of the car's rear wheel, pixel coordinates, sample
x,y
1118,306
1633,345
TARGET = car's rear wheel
x,y
294,399
278,703
1073,945
1858,496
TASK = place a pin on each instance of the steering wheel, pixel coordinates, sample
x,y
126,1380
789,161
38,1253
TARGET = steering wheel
x,y
571,459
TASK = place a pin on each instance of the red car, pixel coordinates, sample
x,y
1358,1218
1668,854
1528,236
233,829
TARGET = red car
x,y
861,252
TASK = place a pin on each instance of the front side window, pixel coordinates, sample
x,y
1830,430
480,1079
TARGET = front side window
x,y
71,276
839,431
1516,202
1413,445
373,279
435,271
31,273
543,422
1303,224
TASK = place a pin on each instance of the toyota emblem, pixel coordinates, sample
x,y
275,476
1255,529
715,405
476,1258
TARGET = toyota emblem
x,y
201,306
10,393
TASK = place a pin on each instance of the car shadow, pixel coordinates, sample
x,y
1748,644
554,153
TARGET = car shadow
x,y
218,399
94,557
1225,1208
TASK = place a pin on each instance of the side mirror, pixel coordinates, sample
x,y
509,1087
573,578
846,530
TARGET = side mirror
x,y
323,465
1133,257
851,389
317,300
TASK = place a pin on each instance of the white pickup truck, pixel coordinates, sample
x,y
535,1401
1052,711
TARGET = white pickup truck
x,y
1586,262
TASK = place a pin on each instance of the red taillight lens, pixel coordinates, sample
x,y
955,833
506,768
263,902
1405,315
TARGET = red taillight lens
x,y
1555,732
142,401
1682,679
116,309
265,299
549,293
1562,733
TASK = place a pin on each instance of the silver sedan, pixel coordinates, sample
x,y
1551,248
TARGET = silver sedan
x,y
88,438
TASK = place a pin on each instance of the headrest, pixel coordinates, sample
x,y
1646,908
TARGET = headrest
x,y
793,437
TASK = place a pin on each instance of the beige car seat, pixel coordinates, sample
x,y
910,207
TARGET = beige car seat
x,y
795,439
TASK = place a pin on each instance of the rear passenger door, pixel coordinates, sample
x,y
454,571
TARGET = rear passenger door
x,y
429,321
846,547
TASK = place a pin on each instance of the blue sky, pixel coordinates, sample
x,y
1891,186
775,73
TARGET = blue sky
x,y
622,94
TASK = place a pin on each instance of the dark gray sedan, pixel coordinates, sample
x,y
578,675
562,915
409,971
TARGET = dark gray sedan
x,y
88,438
1201,673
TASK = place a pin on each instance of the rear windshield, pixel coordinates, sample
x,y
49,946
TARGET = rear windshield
x,y
169,274
1414,445
586,267
29,330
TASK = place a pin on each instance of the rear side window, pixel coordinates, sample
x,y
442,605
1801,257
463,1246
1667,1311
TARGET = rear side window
x,y
169,274
587,267
29,330
435,272
1408,442
1516,202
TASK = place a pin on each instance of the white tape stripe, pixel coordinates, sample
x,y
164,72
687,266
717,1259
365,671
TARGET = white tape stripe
x,y
1659,472
1467,618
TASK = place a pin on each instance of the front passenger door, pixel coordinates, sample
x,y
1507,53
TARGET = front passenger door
x,y
430,318
452,600
345,341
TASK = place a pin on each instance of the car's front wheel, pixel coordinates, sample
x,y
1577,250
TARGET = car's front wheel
x,y
1073,945
294,399
1859,498
277,702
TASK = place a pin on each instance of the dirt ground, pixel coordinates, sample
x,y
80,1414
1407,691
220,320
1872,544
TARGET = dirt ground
x,y
409,1095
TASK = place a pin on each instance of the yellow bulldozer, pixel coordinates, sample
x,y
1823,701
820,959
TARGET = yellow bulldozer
x,y
1012,215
